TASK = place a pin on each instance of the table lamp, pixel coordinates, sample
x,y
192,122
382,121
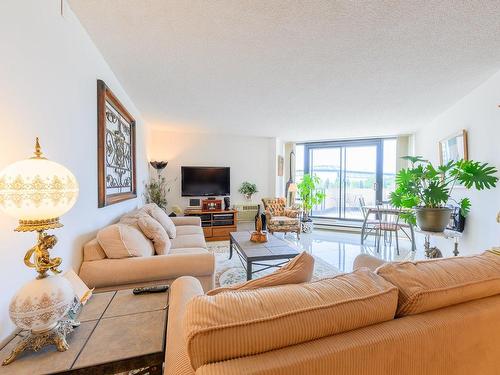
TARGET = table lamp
x,y
38,191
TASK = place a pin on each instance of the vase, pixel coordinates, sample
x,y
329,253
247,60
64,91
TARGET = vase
x,y
307,226
433,219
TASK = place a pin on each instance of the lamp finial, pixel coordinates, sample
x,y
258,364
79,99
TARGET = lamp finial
x,y
38,149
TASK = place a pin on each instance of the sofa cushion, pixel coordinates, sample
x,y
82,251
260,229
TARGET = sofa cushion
x,y
132,217
159,215
296,271
280,316
189,240
188,229
432,284
156,233
123,241
93,251
136,270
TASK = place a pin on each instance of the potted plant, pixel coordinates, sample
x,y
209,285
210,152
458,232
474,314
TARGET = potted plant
x,y
155,191
425,190
248,189
310,196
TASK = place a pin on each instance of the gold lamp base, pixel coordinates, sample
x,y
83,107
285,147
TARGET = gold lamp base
x,y
35,341
38,257
38,225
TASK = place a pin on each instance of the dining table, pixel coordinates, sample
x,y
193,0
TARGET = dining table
x,y
388,210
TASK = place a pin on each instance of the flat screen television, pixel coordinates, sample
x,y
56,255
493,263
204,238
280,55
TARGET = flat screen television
x,y
205,181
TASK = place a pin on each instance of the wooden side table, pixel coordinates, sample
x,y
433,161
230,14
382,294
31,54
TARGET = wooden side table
x,y
119,332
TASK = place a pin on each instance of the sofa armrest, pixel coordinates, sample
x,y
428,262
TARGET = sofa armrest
x,y
368,261
176,357
186,220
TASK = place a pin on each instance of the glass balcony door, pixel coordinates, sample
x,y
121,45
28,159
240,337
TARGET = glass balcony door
x,y
350,172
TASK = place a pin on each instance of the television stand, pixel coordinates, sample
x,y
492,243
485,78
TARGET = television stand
x,y
216,224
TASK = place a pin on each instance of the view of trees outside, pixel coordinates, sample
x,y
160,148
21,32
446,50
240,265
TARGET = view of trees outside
x,y
358,179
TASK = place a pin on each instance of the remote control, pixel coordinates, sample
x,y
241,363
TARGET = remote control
x,y
150,289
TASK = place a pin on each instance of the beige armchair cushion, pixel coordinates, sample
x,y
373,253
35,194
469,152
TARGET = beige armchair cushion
x,y
296,271
288,212
123,241
283,220
156,233
280,316
432,284
275,206
159,215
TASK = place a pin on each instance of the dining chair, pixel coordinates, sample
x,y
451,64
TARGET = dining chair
x,y
388,223
370,225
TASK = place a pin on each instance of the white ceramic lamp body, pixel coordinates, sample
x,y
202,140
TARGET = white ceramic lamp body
x,y
41,303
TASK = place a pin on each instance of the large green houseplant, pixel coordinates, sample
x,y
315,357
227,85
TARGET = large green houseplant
x,y
248,189
425,190
310,194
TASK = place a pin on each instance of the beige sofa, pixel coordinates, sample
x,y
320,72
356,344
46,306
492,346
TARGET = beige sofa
x,y
457,331
187,256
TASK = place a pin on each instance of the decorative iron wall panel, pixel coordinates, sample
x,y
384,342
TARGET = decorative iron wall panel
x,y
116,149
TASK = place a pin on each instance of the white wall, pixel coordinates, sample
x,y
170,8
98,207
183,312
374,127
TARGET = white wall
x,y
251,159
48,72
478,112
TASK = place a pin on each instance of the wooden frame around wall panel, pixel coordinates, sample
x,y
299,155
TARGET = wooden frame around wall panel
x,y
116,149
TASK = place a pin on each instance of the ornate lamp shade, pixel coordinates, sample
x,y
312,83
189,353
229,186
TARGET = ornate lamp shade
x,y
37,191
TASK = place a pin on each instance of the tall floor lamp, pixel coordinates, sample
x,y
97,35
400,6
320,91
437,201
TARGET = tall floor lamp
x,y
290,180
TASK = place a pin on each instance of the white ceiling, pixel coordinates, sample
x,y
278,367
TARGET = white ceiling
x,y
299,70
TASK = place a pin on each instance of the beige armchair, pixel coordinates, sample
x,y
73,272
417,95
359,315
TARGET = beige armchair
x,y
281,218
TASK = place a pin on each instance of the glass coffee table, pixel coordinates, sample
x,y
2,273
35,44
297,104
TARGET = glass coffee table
x,y
254,254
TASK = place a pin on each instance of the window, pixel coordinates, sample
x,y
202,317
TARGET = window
x,y
352,173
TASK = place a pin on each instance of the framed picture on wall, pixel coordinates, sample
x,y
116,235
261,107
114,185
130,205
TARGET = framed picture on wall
x,y
454,148
281,162
115,149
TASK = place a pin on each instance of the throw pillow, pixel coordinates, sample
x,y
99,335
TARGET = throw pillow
x,y
296,271
432,284
285,315
160,216
123,241
156,233
132,217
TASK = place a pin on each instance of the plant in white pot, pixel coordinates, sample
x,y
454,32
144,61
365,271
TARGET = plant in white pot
x,y
248,189
310,196
425,190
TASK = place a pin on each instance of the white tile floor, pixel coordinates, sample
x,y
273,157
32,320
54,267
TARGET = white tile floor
x,y
339,248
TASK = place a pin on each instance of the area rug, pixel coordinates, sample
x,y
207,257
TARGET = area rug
x,y
231,271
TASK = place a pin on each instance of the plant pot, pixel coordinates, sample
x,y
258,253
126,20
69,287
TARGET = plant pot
x,y
307,226
433,219
248,197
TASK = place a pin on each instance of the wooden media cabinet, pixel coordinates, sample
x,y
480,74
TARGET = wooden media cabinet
x,y
216,224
